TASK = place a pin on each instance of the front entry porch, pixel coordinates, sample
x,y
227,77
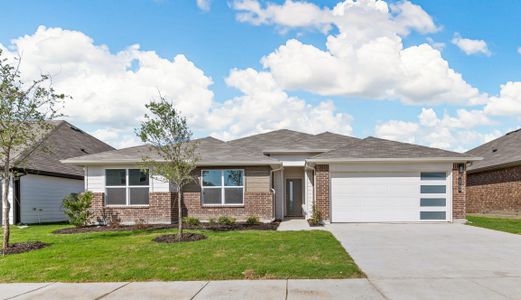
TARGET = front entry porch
x,y
293,192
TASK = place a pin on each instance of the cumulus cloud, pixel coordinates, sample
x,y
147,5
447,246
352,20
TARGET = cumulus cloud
x,y
265,106
366,58
110,90
456,132
204,4
470,46
519,50
508,102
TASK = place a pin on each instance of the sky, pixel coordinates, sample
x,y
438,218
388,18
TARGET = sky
x,y
442,73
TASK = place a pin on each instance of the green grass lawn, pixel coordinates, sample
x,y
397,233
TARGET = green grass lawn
x,y
502,224
132,256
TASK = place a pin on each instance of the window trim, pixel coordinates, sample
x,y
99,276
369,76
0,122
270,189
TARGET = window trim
x,y
223,188
127,188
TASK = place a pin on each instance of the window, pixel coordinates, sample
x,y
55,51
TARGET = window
x,y
432,215
433,176
433,189
126,187
222,187
432,202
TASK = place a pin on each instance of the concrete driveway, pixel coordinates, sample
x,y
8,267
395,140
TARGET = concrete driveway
x,y
435,261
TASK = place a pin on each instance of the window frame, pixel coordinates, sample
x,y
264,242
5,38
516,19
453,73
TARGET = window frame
x,y
127,188
223,187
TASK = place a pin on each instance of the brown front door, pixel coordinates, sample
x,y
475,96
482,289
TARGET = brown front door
x,y
293,197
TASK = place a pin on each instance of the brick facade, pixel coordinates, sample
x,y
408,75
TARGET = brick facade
x,y
322,190
459,193
494,191
159,210
163,209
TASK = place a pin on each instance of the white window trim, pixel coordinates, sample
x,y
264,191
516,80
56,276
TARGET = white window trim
x,y
223,188
127,188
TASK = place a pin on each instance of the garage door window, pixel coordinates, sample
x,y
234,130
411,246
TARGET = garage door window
x,y
427,202
433,176
432,215
433,189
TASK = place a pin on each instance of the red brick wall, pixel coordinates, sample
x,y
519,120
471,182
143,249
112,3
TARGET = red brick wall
x,y
494,191
322,190
159,210
458,197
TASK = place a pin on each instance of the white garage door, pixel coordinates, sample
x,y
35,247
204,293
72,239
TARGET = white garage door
x,y
387,197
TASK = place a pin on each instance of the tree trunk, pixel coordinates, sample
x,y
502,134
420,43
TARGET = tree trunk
x,y
6,206
179,214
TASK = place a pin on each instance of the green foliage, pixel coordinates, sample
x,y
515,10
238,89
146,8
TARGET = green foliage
x,y
212,221
77,208
225,220
252,220
191,221
24,109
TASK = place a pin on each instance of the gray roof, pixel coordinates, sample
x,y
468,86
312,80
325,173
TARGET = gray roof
x,y
285,140
210,150
501,152
61,141
376,148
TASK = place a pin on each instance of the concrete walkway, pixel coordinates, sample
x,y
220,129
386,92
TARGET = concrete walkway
x,y
215,290
435,261
297,224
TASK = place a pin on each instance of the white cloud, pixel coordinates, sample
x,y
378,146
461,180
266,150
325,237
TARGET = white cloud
x,y
448,132
470,46
204,4
436,45
265,106
508,102
366,58
110,90
519,50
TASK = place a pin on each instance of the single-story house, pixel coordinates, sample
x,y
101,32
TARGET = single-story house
x,y
494,184
36,192
284,173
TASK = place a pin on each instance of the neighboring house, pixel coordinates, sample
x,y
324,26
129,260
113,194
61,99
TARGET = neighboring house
x,y
41,180
283,173
494,184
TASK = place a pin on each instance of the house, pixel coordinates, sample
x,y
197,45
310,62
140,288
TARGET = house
x,y
494,184
284,173
41,181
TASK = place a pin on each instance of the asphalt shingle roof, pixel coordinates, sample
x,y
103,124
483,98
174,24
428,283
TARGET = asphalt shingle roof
x,y
60,142
372,147
502,151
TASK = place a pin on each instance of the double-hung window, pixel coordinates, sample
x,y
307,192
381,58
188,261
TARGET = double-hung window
x,y
222,187
126,187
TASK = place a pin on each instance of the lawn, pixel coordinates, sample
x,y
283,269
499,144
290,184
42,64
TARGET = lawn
x,y
502,224
132,256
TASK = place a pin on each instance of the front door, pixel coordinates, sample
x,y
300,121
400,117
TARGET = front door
x,y
293,197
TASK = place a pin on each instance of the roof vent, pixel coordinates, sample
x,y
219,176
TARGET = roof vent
x,y
494,150
77,129
513,131
84,151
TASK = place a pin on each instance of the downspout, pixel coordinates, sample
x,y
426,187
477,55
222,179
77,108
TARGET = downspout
x,y
274,197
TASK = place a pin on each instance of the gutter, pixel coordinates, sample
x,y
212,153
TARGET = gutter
x,y
201,164
425,159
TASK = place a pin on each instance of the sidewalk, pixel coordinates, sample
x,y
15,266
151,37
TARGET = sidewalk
x,y
235,289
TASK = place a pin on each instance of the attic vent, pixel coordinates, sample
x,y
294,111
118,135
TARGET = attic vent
x,y
84,151
494,150
76,129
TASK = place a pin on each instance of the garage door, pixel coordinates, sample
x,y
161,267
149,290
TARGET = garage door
x,y
388,197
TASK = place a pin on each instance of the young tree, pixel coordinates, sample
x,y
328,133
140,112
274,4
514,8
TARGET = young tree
x,y
24,109
173,154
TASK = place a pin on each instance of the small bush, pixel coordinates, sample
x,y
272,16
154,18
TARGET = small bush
x,y
77,208
316,218
212,221
191,221
252,220
225,220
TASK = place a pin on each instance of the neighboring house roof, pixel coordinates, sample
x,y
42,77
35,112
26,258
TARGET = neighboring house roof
x,y
377,149
61,141
211,151
501,152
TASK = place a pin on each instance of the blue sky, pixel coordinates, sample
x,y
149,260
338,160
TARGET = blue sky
x,y
217,41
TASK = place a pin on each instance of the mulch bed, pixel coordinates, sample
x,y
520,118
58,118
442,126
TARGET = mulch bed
x,y
173,238
203,226
17,248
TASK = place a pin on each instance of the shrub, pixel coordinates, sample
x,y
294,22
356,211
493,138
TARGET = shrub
x,y
252,220
225,220
77,208
191,221
212,221
316,218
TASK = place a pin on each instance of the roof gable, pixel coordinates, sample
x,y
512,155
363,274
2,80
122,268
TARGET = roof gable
x,y
503,151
